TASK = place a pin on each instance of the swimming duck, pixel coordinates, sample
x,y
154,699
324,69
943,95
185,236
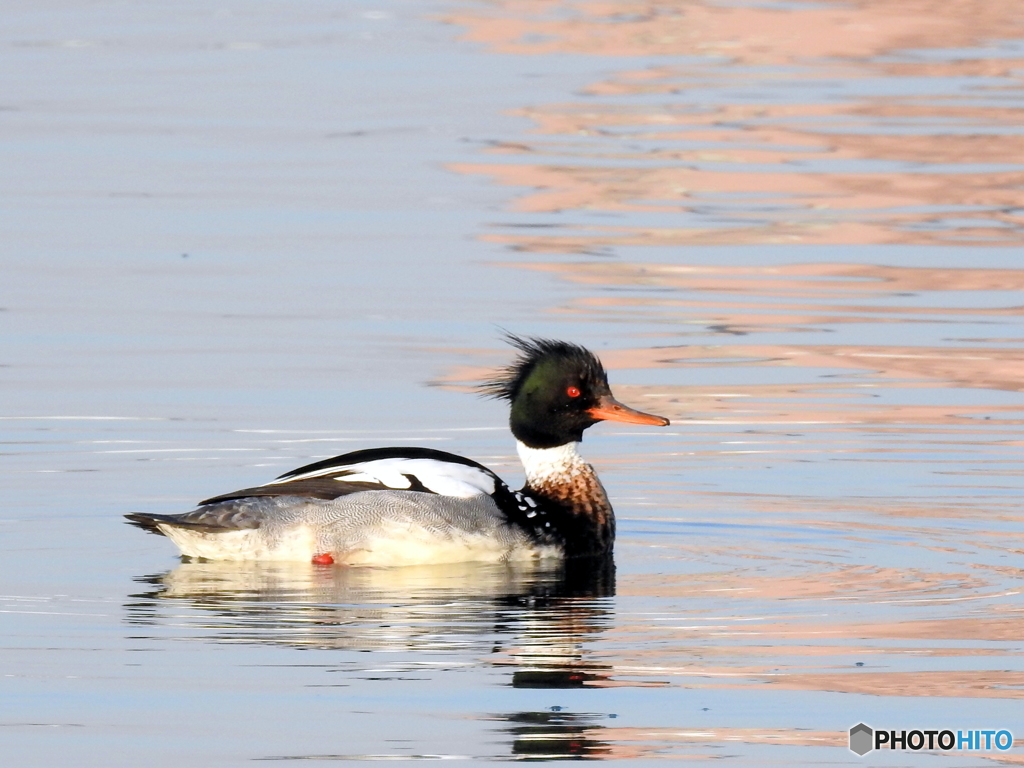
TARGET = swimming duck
x,y
393,506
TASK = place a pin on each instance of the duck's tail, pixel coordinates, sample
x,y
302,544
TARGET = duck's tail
x,y
148,523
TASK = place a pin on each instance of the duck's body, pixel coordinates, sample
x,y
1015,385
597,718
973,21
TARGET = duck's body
x,y
392,506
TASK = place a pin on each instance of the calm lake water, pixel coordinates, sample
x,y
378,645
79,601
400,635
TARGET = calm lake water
x,y
242,236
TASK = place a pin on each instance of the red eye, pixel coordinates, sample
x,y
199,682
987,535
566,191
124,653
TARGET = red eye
x,y
573,391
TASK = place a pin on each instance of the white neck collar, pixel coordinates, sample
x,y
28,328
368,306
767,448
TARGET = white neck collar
x,y
549,463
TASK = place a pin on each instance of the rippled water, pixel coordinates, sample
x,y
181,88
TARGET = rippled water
x,y
242,237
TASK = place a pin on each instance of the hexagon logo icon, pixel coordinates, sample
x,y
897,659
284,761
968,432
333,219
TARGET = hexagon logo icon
x,y
862,739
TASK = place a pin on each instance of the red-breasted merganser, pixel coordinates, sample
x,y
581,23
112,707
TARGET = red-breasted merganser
x,y
394,506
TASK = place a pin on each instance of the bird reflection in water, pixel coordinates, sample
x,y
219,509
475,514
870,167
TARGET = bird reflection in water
x,y
556,735
537,621
457,607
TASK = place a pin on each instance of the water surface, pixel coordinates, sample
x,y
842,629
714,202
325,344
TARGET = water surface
x,y
240,238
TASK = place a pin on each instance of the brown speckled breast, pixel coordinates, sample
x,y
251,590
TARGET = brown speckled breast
x,y
590,524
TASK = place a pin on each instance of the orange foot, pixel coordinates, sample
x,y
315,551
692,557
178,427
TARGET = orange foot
x,y
324,559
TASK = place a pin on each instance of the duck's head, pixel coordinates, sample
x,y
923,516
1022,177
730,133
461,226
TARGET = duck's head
x,y
557,390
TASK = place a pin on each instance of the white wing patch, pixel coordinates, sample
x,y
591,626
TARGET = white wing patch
x,y
444,478
395,480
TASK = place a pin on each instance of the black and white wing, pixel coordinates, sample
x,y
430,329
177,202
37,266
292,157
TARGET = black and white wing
x,y
402,469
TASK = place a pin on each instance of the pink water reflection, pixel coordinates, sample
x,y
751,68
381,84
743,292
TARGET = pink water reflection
x,y
811,170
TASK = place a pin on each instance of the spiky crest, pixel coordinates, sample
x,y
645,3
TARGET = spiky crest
x,y
532,350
